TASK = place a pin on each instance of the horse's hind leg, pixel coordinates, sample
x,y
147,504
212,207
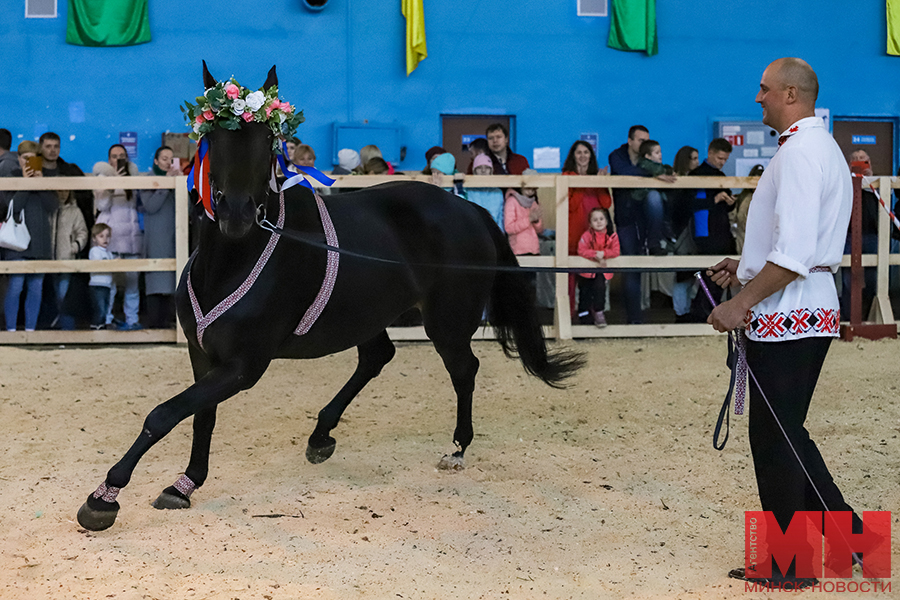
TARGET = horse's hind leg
x,y
373,355
462,365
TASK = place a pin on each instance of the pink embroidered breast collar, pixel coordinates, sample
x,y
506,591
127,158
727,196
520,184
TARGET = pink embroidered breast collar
x,y
314,310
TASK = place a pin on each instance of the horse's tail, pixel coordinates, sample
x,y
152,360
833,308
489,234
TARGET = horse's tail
x,y
513,315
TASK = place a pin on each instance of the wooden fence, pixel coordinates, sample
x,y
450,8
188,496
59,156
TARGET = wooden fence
x,y
560,184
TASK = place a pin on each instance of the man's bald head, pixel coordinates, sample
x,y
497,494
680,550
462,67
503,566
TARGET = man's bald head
x,y
787,92
796,72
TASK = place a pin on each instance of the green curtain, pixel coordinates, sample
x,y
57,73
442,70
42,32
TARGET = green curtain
x,y
108,22
893,27
633,26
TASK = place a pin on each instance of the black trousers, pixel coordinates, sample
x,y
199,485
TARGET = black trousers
x,y
591,293
788,372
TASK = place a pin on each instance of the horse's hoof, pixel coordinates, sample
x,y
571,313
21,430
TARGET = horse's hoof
x,y
171,499
320,455
452,462
97,520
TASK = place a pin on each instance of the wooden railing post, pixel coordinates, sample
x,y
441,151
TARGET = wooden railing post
x,y
881,306
182,245
562,318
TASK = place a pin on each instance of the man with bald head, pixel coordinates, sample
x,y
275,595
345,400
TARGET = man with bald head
x,y
788,305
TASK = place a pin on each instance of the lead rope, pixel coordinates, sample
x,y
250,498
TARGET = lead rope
x,y
855,555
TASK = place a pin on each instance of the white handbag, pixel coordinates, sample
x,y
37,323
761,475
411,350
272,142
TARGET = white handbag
x,y
14,236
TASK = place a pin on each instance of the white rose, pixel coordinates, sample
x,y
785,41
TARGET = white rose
x,y
238,106
281,117
255,101
196,127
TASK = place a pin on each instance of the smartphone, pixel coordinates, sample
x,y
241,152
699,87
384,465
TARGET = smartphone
x,y
35,163
176,163
122,163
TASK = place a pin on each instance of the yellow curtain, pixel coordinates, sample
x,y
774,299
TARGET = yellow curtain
x,y
893,27
415,33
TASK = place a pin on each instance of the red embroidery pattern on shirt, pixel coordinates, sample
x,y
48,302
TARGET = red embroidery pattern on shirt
x,y
800,321
771,325
828,320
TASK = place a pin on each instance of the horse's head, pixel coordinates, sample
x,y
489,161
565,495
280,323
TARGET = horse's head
x,y
240,164
240,167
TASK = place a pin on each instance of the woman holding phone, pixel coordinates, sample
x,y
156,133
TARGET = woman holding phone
x,y
118,209
38,207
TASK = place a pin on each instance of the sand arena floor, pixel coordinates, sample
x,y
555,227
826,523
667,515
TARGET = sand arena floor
x,y
608,489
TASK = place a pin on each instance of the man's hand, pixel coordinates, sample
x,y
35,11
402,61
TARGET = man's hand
x,y
600,255
724,196
727,316
437,178
667,178
724,274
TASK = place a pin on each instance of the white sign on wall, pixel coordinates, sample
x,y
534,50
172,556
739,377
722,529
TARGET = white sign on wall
x,y
592,8
546,158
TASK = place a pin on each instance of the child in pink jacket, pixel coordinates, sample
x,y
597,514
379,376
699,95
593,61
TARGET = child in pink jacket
x,y
522,221
599,242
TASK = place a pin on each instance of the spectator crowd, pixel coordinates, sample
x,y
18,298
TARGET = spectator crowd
x,y
130,224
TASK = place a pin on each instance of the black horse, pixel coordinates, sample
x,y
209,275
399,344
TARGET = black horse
x,y
419,226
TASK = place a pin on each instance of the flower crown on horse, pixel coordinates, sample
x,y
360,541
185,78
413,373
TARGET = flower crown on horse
x,y
228,104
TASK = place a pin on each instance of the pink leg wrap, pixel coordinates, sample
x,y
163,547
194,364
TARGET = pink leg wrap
x,y
185,486
107,493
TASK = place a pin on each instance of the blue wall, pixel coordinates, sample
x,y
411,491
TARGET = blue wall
x,y
540,62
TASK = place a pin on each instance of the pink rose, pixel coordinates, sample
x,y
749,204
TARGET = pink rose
x,y
274,105
248,116
286,107
232,91
199,118
208,115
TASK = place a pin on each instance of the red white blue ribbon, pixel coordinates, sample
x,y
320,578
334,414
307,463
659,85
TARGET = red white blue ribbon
x,y
198,179
293,177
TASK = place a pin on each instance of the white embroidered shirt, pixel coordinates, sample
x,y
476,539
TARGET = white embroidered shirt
x,y
798,220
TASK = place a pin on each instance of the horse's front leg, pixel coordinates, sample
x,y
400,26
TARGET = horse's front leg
x,y
179,495
373,355
101,508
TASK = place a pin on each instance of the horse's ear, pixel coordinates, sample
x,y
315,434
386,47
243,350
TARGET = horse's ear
x,y
208,80
271,80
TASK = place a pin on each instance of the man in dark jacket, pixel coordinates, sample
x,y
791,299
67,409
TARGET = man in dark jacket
x,y
639,224
712,229
54,166
870,211
75,296
506,162
8,160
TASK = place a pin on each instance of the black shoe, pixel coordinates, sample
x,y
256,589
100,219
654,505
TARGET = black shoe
x,y
788,583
